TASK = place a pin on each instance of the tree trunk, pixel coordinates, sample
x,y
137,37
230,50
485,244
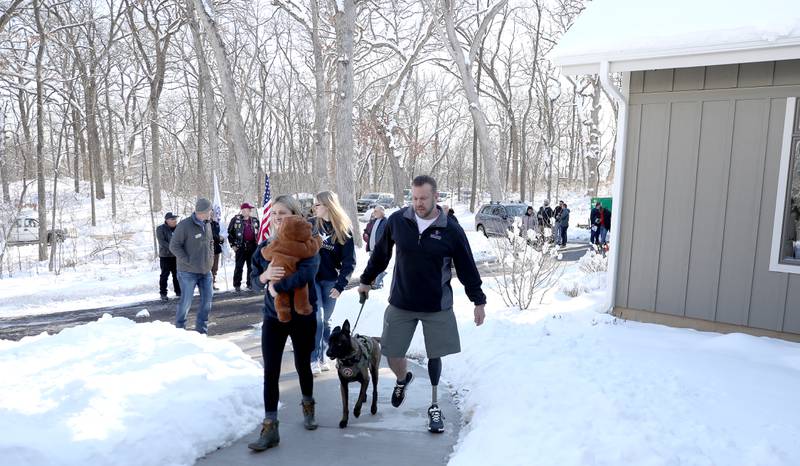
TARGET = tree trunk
x,y
344,21
80,148
320,104
110,152
42,195
93,136
155,142
3,170
207,92
235,123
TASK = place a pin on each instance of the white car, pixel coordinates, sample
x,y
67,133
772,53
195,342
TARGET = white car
x,y
26,230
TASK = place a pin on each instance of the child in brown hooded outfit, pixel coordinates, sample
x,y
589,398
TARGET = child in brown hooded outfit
x,y
293,243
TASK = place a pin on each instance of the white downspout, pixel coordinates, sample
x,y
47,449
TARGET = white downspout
x,y
619,175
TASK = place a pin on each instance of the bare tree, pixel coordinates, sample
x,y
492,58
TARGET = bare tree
x,y
464,64
235,124
162,20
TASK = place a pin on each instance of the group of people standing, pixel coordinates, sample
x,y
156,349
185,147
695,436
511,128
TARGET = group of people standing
x,y
558,220
546,217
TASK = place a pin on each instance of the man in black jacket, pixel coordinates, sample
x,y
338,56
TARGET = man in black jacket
x,y
243,235
600,220
426,241
218,241
166,259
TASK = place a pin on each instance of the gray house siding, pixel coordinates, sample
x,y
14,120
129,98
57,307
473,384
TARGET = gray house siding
x,y
700,183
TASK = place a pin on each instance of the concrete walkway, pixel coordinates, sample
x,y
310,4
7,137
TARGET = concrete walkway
x,y
394,436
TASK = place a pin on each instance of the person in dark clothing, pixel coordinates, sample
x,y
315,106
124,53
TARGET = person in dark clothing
x,y
243,235
372,234
562,219
451,214
166,259
301,328
557,222
337,262
600,221
545,217
426,242
217,250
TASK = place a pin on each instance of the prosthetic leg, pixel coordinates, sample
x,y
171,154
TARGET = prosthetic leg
x,y
435,418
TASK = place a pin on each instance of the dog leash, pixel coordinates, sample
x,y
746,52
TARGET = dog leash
x,y
362,299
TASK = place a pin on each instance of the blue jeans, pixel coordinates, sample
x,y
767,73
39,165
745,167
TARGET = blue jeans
x,y
188,281
603,232
325,306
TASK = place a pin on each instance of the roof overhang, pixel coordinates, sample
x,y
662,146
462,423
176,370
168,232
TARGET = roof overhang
x,y
685,58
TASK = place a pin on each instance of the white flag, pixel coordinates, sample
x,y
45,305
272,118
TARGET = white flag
x,y
223,232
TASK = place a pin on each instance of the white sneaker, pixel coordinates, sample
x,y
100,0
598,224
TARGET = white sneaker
x,y
315,368
325,366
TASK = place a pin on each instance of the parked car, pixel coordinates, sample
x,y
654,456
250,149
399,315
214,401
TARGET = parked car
x,y
496,219
406,197
386,200
369,200
445,197
26,231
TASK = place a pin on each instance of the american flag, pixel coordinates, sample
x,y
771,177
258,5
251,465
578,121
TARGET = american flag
x,y
264,229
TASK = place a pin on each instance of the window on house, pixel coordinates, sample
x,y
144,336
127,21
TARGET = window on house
x,y
790,233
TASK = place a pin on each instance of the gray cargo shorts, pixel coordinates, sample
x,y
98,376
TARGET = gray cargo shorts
x,y
439,328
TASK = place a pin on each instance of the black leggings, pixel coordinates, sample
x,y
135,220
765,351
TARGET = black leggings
x,y
273,339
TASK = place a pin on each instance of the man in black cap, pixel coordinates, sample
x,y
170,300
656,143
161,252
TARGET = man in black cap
x,y
169,264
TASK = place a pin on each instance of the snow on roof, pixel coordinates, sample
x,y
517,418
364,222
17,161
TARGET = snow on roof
x,y
652,34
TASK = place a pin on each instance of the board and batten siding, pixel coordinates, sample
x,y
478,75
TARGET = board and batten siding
x,y
701,176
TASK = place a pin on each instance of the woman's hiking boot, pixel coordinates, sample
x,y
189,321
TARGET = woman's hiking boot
x,y
308,415
269,436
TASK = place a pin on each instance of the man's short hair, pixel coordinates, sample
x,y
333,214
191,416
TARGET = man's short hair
x,y
422,180
379,207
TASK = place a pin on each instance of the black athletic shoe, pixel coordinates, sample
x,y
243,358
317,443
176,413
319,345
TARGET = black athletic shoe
x,y
435,420
399,392
164,297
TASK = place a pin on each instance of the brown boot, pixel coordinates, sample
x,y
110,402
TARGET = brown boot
x,y
308,415
269,436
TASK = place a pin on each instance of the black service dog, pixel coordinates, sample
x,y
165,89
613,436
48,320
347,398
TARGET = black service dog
x,y
357,359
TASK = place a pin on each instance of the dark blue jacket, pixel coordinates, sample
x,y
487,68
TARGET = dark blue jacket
x,y
422,269
306,271
337,261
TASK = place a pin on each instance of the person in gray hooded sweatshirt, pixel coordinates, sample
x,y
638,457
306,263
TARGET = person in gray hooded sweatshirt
x,y
193,246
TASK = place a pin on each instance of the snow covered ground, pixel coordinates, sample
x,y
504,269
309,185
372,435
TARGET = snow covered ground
x,y
109,264
116,392
560,384
566,384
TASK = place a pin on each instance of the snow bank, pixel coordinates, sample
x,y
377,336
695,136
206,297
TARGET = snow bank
x,y
116,392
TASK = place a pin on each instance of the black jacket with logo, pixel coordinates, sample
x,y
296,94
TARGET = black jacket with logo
x,y
336,261
236,231
422,271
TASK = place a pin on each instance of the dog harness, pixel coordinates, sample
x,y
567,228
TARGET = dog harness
x,y
357,361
